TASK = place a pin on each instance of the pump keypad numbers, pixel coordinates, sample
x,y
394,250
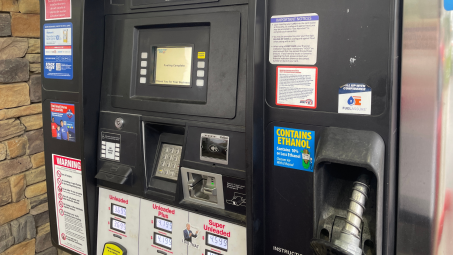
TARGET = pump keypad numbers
x,y
168,166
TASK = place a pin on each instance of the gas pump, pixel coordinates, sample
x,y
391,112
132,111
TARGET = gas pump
x,y
214,127
165,96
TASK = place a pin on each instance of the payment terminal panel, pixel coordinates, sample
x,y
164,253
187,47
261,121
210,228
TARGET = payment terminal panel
x,y
176,127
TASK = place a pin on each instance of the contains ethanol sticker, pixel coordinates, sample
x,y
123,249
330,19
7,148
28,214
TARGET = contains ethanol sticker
x,y
294,148
69,205
354,98
296,86
294,39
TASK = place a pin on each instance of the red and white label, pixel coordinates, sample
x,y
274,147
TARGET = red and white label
x,y
69,204
57,9
296,86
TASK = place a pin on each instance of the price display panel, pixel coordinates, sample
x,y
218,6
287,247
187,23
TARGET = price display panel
x,y
119,211
162,224
208,252
118,225
217,241
163,241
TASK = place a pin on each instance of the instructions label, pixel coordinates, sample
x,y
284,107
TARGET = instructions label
x,y
294,148
354,98
294,39
58,51
57,9
296,86
68,189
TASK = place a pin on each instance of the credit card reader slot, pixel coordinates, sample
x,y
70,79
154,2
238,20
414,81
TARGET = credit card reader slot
x,y
203,187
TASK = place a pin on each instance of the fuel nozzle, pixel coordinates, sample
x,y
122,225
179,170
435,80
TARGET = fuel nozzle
x,y
349,241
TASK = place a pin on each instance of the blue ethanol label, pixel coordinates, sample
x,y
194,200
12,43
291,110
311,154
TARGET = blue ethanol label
x,y
294,148
448,5
58,51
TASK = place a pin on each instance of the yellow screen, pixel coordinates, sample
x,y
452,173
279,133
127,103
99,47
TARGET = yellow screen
x,y
173,66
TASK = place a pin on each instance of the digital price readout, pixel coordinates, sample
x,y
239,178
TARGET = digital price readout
x,y
118,210
118,225
162,240
216,241
162,224
207,252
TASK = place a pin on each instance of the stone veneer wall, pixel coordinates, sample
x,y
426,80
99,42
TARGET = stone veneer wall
x,y
24,218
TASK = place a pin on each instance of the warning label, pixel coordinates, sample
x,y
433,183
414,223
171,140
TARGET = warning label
x,y
68,189
296,86
294,39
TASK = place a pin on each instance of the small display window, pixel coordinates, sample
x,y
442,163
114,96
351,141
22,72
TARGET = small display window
x,y
118,225
117,210
163,241
162,224
208,252
217,241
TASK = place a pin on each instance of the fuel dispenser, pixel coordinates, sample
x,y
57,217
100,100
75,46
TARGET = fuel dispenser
x,y
163,97
214,127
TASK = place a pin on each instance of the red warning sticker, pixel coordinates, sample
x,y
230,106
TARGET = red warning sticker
x,y
69,205
296,86
57,9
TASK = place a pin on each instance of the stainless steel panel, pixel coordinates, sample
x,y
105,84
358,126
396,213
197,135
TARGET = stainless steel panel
x,y
425,222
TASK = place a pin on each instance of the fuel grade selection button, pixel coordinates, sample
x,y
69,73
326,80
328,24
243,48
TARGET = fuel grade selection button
x,y
113,248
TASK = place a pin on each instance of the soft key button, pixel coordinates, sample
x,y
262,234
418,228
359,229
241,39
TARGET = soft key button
x,y
144,64
144,54
200,73
142,80
142,71
201,64
200,83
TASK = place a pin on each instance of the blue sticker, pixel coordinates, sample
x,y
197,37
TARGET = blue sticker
x,y
58,51
448,5
294,148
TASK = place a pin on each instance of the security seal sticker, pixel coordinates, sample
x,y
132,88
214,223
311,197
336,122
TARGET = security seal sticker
x,y
294,148
294,39
296,86
69,205
354,98
58,51
62,121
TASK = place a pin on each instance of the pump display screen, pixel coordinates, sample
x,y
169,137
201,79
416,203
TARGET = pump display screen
x,y
119,210
118,225
172,65
217,241
162,224
162,240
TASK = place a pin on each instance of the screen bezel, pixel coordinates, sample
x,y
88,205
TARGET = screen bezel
x,y
151,69
161,245
211,245
111,210
155,224
112,228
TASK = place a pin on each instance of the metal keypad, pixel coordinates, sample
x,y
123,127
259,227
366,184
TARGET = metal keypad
x,y
168,166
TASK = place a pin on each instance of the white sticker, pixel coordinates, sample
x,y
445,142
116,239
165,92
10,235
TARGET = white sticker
x,y
294,39
354,98
296,86
69,204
